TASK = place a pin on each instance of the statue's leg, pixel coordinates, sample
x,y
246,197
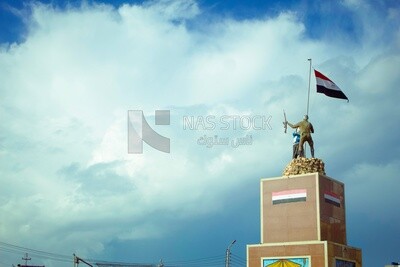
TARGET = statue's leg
x,y
295,150
311,143
301,153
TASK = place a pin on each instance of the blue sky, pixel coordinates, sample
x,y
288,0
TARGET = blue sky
x,y
70,71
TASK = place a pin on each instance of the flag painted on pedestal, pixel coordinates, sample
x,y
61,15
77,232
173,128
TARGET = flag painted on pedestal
x,y
288,196
327,87
332,198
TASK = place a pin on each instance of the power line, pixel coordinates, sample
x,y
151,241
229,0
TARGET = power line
x,y
238,261
10,248
212,261
38,253
120,264
205,261
124,265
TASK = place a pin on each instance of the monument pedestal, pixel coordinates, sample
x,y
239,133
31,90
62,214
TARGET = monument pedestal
x,y
303,223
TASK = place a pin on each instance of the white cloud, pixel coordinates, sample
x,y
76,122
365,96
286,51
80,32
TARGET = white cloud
x,y
66,89
385,73
375,184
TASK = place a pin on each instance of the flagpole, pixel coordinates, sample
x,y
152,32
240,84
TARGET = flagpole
x,y
309,82
308,100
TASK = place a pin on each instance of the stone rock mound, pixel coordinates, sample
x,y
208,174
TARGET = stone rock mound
x,y
303,166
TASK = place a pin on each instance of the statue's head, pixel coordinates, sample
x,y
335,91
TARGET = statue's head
x,y
305,117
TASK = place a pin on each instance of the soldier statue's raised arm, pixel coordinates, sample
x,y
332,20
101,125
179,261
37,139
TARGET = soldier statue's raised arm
x,y
306,129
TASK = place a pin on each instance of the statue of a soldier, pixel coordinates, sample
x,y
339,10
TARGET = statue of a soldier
x,y
306,129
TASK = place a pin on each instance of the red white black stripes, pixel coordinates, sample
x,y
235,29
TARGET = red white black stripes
x,y
332,198
288,196
327,87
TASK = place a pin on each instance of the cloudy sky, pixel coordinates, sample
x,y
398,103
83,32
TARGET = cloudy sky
x,y
70,71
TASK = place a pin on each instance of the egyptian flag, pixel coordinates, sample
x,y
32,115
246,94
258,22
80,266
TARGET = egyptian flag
x,y
287,196
332,198
327,87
